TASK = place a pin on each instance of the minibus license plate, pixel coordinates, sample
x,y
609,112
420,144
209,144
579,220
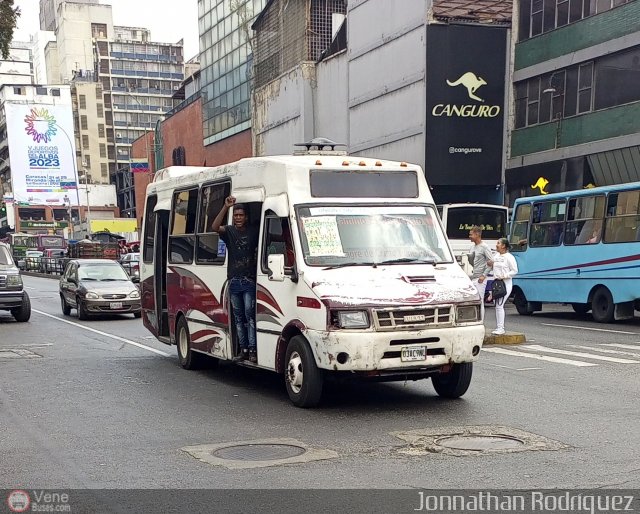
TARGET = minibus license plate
x,y
413,353
115,305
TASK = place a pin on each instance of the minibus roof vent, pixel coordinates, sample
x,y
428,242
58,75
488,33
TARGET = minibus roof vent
x,y
317,147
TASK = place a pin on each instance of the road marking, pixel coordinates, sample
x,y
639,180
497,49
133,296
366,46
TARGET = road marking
x,y
602,350
546,349
537,356
508,367
587,328
625,346
106,334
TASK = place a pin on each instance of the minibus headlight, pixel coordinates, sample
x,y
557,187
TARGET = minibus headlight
x,y
353,319
14,281
467,313
134,294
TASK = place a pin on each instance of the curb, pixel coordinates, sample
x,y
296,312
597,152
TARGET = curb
x,y
508,338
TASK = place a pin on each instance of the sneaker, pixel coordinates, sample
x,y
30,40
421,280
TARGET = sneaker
x,y
242,356
253,356
498,332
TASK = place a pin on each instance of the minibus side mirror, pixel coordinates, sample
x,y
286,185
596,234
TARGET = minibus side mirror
x,y
275,263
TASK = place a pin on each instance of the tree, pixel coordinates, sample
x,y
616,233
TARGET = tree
x,y
8,21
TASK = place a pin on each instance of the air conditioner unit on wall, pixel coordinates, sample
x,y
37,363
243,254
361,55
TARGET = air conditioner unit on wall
x,y
175,88
119,135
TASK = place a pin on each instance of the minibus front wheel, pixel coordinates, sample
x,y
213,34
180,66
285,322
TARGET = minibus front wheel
x,y
454,383
303,379
602,306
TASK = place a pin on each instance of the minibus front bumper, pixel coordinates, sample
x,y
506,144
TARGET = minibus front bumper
x,y
368,351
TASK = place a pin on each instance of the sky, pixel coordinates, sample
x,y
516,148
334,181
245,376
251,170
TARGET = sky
x,y
168,20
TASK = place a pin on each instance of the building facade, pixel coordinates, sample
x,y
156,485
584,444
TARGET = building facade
x,y
413,81
38,172
576,82
18,67
226,61
139,78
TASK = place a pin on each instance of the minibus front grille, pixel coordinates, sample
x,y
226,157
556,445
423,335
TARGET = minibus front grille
x,y
409,318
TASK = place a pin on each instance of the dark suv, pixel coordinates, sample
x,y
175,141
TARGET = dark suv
x,y
13,297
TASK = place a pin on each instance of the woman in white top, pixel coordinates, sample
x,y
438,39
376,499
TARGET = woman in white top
x,y
505,268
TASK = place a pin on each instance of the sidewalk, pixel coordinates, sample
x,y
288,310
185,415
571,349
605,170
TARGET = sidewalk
x,y
508,338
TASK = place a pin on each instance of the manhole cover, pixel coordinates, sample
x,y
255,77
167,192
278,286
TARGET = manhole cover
x,y
259,452
480,443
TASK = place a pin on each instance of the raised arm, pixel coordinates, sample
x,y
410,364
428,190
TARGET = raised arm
x,y
217,226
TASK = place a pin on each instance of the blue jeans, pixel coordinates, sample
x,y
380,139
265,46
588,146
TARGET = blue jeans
x,y
242,292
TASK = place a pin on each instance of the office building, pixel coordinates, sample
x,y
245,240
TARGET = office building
x,y
225,57
576,81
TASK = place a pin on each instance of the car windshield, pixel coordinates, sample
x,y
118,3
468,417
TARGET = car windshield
x,y
343,235
102,272
5,257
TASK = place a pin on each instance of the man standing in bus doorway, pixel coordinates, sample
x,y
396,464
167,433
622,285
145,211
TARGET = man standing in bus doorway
x,y
479,256
242,245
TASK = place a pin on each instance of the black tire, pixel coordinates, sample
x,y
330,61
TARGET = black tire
x,y
303,379
23,313
602,306
82,310
521,303
137,315
581,308
454,383
66,310
187,357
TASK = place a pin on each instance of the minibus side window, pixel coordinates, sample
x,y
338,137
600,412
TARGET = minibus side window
x,y
520,232
210,249
183,226
584,220
278,240
623,217
149,229
547,224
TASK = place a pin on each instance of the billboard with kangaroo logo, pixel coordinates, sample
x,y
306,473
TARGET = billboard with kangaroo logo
x,y
465,102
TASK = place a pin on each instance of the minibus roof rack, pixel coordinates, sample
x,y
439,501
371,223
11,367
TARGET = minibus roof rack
x,y
320,143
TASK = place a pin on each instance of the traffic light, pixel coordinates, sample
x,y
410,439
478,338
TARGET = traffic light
x,y
3,210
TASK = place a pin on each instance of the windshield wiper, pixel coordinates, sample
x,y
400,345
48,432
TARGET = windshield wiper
x,y
408,259
88,278
347,264
112,279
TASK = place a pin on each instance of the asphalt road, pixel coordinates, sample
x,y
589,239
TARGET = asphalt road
x,y
101,404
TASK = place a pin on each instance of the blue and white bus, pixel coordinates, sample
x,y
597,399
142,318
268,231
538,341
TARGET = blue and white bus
x,y
580,248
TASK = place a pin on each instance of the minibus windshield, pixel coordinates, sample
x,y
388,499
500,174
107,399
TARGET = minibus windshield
x,y
335,235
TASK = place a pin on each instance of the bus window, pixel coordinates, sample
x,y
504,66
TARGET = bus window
x,y
183,227
210,249
547,223
623,220
584,220
520,231
149,229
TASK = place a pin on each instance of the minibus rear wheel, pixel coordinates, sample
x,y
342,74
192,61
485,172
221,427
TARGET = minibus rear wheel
x,y
187,357
602,306
302,377
454,383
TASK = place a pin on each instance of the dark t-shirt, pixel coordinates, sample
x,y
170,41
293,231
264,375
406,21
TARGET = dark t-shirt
x,y
242,247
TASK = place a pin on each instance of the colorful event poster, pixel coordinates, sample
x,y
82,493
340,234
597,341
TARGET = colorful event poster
x,y
322,236
42,153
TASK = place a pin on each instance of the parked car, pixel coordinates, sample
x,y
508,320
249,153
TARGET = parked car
x,y
52,261
13,297
131,263
31,261
98,286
